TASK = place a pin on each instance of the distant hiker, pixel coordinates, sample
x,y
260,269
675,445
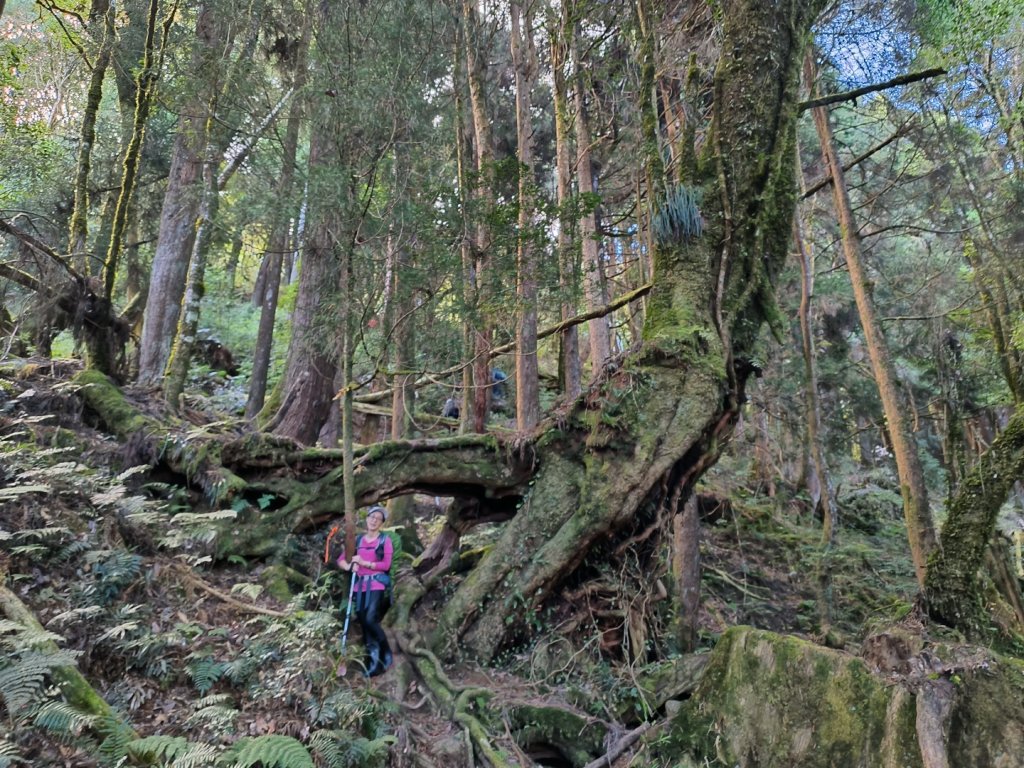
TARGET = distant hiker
x,y
451,408
498,378
370,567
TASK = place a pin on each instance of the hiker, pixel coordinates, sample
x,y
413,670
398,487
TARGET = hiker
x,y
370,568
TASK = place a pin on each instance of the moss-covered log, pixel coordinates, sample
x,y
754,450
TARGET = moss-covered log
x,y
953,590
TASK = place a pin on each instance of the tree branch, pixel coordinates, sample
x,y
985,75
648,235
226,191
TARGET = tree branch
x,y
827,179
621,301
911,77
39,246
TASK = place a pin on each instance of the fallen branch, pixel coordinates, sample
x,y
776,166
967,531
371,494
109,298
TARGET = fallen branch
x,y
186,573
619,748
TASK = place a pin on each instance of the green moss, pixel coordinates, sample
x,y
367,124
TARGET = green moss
x,y
103,397
579,738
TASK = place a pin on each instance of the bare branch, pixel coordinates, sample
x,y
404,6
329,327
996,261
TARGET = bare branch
x,y
911,77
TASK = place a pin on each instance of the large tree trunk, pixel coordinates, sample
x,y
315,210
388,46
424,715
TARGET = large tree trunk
x,y
917,513
178,214
659,421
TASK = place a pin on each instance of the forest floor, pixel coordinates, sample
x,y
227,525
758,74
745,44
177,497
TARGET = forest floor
x,y
182,645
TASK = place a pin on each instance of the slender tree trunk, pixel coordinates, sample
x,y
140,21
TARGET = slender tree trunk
x,y
527,376
195,283
79,236
482,333
816,476
920,530
590,239
269,288
686,573
466,289
560,29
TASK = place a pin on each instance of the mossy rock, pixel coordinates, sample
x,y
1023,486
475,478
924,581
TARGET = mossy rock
x,y
576,738
768,700
282,582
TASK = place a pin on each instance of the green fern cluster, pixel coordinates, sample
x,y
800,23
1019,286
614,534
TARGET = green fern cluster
x,y
679,219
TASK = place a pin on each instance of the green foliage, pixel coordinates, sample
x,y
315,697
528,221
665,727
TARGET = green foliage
x,y
271,751
679,218
62,720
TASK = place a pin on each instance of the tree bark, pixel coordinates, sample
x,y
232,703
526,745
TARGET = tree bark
x,y
559,31
953,589
917,513
277,243
590,238
527,375
482,332
178,213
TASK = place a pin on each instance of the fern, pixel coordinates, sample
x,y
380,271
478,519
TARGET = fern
x,y
77,614
22,680
157,748
205,672
272,751
116,737
249,590
62,719
339,749
197,756
9,754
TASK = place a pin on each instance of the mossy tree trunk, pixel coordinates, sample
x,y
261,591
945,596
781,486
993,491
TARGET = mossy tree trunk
x,y
953,588
659,421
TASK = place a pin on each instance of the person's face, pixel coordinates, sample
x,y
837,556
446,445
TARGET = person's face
x,y
374,521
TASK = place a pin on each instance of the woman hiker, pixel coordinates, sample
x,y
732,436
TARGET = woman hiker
x,y
370,568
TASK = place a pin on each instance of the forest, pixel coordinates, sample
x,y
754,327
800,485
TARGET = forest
x,y
677,346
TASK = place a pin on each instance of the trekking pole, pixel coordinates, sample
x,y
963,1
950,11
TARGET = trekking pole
x,y
343,667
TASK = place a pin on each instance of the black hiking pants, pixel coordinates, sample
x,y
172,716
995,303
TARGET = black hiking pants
x,y
369,612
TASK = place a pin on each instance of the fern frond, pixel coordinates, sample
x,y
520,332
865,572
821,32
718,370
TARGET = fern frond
x,y
76,614
271,751
340,749
62,719
138,469
198,756
73,549
117,735
22,681
247,589
118,632
205,672
50,532
14,491
20,637
9,754
157,748
216,700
